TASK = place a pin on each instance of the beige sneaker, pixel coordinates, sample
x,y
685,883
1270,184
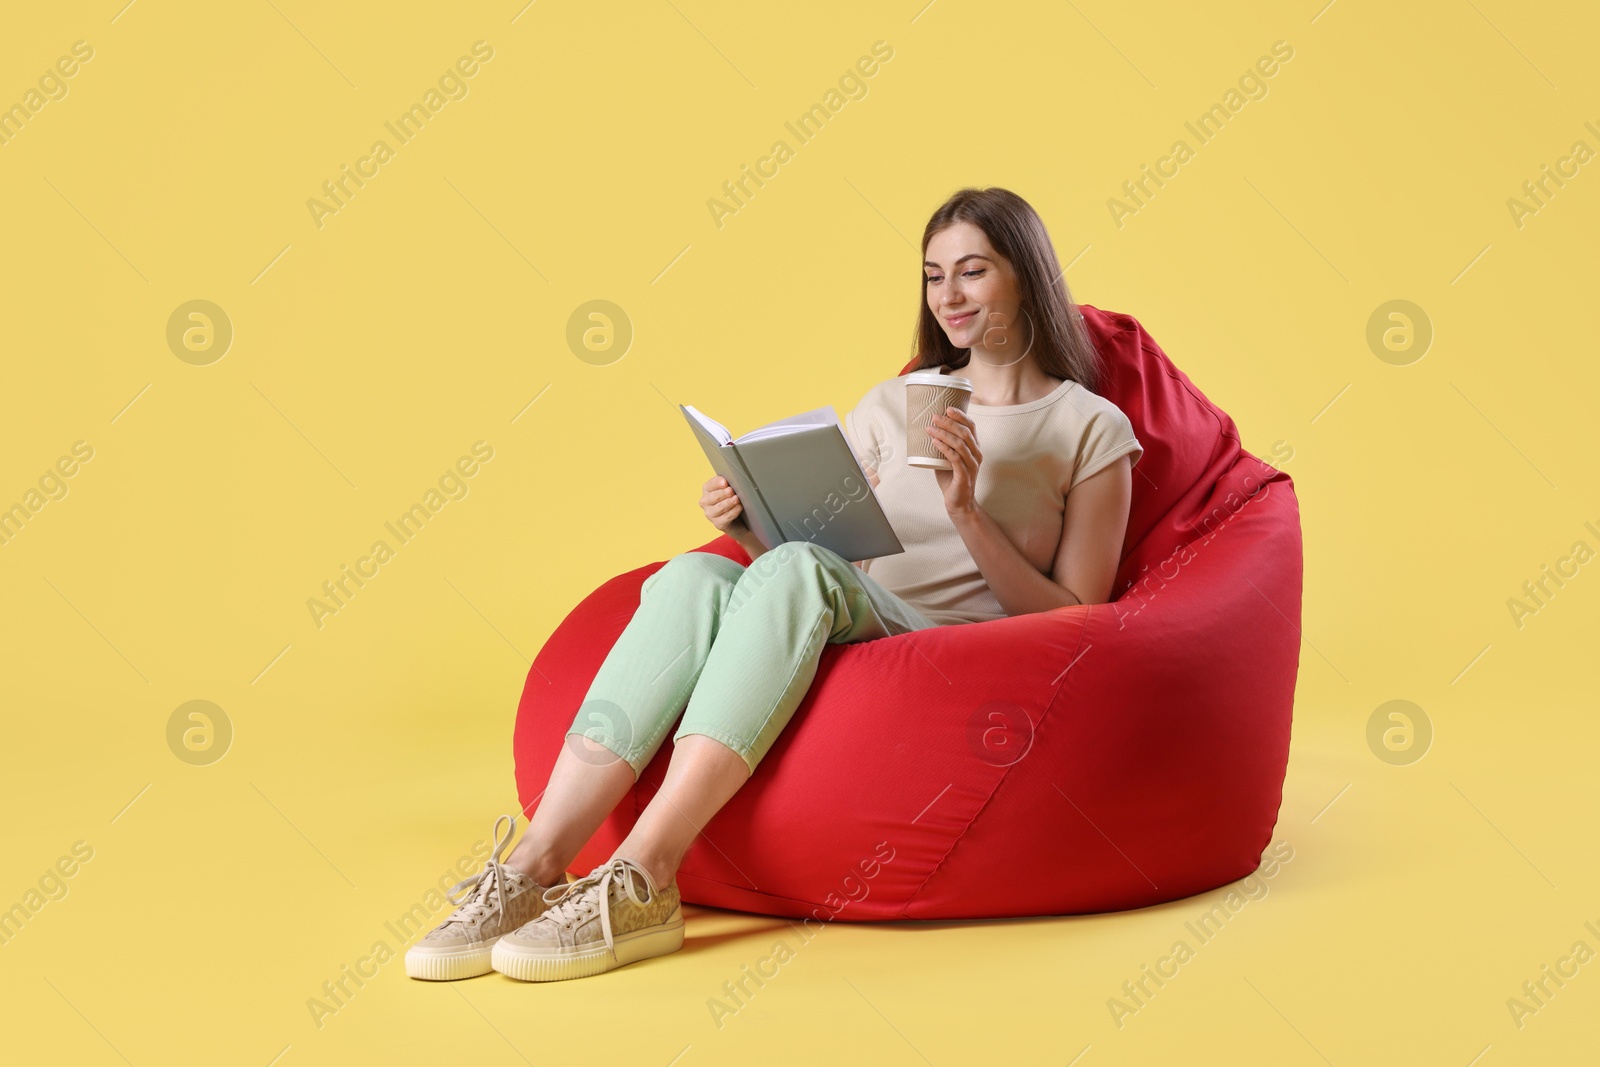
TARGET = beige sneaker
x,y
594,924
499,899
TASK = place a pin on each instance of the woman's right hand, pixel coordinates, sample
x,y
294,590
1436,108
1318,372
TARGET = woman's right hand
x,y
721,505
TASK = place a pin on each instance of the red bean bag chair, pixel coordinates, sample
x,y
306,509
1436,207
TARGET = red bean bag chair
x,y
1097,757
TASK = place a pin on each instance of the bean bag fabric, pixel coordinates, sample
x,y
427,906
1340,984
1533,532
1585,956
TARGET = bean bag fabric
x,y
1109,756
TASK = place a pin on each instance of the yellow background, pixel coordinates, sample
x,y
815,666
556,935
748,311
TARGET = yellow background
x,y
432,310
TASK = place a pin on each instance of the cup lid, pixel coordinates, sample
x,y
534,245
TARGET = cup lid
x,y
933,377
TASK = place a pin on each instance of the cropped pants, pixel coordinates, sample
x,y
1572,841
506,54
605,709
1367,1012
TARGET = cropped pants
x,y
739,644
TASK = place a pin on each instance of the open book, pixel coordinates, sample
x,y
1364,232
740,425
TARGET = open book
x,y
799,481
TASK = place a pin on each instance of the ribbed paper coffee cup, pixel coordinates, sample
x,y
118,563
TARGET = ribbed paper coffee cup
x,y
928,393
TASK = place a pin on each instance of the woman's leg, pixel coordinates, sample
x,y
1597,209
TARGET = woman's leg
x,y
783,609
581,792
635,697
788,604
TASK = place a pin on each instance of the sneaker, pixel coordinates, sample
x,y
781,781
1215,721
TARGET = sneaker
x,y
498,900
599,922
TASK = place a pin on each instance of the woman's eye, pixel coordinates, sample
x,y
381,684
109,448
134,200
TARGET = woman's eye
x,y
932,278
972,273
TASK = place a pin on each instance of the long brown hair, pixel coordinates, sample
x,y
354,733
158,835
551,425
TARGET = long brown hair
x,y
1061,342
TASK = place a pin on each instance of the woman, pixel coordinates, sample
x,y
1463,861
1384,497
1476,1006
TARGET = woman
x,y
1030,517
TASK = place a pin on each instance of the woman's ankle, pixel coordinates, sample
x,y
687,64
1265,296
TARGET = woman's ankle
x,y
539,865
663,869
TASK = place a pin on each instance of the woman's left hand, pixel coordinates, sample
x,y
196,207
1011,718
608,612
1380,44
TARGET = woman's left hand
x,y
955,435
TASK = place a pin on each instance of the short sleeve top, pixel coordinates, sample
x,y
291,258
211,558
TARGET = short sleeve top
x,y
1034,454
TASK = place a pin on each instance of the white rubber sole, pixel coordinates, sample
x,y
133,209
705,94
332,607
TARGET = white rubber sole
x,y
526,965
446,965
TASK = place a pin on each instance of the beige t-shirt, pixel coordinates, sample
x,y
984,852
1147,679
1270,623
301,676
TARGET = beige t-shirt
x,y
1033,455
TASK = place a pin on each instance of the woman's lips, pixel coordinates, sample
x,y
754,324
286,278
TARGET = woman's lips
x,y
960,320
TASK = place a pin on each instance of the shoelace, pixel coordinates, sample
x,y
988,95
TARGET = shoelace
x,y
488,889
572,903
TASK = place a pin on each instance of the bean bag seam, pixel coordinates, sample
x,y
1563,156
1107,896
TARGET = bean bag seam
x,y
1172,372
1083,631
1126,323
745,889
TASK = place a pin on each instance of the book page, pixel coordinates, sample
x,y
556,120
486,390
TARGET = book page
x,y
823,416
709,425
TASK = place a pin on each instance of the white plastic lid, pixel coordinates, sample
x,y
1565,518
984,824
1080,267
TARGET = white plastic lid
x,y
933,377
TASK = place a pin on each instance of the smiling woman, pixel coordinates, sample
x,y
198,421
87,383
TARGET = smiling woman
x,y
1032,513
1029,515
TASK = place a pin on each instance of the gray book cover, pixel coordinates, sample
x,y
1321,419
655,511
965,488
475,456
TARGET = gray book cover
x,y
799,481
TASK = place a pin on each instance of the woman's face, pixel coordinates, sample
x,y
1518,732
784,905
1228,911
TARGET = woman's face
x,y
973,292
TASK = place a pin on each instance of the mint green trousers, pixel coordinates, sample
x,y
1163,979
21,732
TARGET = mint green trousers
x,y
739,644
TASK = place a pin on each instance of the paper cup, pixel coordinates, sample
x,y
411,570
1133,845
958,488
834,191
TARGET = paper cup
x,y
928,393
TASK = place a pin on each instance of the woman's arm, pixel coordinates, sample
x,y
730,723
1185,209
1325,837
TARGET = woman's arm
x,y
1092,532
726,512
1094,522
747,539
1092,529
